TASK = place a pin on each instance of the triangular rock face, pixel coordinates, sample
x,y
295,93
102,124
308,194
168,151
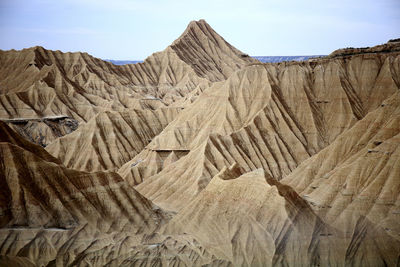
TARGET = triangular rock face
x,y
358,174
208,53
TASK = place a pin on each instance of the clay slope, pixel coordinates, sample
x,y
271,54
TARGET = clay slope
x,y
358,175
265,116
111,139
54,216
37,83
37,193
249,222
85,246
214,59
266,164
49,211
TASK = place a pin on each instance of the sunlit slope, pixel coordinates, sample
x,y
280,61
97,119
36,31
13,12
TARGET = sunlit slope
x,y
111,138
357,175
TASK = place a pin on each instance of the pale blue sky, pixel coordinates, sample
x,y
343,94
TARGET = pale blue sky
x,y
133,29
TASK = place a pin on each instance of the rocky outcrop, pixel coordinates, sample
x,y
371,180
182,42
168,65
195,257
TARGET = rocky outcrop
x,y
38,193
44,130
7,135
389,47
208,53
48,210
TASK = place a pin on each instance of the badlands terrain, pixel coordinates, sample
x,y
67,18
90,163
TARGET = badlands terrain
x,y
200,156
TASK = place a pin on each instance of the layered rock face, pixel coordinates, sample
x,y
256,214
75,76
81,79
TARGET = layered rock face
x,y
200,156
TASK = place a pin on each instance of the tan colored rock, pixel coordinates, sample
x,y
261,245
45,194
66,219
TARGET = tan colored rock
x,y
37,193
249,222
323,98
264,116
50,213
111,138
358,175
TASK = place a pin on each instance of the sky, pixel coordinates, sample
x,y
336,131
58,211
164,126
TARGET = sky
x,y
134,29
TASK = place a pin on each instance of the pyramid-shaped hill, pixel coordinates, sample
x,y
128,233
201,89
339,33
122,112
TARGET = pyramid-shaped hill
x,y
40,83
208,53
79,85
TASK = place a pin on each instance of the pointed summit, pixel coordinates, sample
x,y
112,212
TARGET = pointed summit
x,y
197,23
208,53
194,26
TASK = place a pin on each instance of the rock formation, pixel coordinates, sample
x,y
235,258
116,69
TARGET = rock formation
x,y
45,130
200,156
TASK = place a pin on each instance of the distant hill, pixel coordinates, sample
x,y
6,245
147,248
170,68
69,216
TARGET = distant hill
x,y
276,59
264,59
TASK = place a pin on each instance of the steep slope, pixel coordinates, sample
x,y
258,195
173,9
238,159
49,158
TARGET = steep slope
x,y
358,174
245,220
39,193
51,215
215,59
111,139
49,211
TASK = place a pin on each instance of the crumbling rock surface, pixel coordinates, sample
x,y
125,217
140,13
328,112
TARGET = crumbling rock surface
x,y
44,130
